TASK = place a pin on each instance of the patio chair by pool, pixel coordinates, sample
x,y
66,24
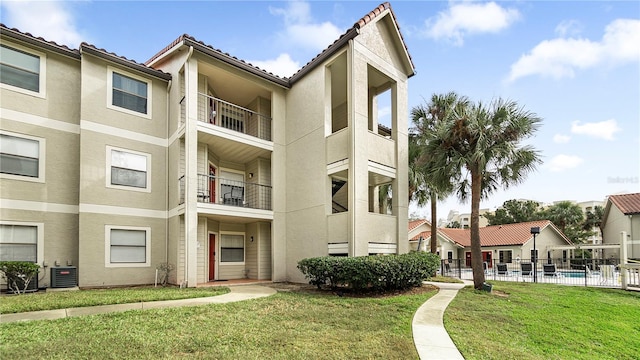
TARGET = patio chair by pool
x,y
526,269
550,270
607,273
502,269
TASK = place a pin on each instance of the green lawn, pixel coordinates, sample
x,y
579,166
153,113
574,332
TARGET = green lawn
x,y
287,325
541,321
67,299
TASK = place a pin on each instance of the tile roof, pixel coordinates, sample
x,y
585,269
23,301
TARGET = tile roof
x,y
500,235
629,204
415,223
38,41
425,236
330,50
85,47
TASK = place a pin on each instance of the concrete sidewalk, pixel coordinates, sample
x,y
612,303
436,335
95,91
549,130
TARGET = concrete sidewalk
x,y
236,293
429,335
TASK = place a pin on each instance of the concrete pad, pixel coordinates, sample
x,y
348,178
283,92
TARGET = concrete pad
x,y
102,309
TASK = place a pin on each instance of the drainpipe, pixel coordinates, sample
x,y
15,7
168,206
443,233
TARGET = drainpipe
x,y
166,156
184,282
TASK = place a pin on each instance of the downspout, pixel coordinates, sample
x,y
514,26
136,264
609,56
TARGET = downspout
x,y
166,156
186,183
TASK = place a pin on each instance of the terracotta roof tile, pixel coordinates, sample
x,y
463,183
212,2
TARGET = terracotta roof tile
x,y
425,235
500,235
124,61
629,204
415,223
25,36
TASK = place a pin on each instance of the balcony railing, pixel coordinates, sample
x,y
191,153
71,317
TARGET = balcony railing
x,y
217,190
218,112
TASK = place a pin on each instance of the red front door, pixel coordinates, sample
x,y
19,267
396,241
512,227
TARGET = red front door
x,y
486,257
212,184
467,259
212,257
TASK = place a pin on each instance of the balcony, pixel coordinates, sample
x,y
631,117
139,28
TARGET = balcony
x,y
221,191
220,113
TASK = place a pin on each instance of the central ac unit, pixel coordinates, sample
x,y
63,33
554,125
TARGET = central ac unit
x,y
64,277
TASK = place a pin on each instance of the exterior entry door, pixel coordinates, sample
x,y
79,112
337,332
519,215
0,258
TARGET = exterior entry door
x,y
486,257
212,257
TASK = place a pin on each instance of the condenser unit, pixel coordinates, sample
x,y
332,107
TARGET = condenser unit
x,y
64,277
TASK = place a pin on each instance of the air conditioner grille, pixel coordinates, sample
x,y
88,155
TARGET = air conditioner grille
x,y
64,277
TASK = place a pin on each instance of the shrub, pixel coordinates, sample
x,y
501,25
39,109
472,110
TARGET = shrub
x,y
19,274
164,270
379,273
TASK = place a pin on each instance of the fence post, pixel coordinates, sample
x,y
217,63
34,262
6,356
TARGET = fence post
x,y
623,259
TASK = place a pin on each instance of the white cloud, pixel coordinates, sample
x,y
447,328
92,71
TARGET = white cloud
x,y
300,29
462,19
561,57
561,139
51,20
602,130
564,162
282,66
569,27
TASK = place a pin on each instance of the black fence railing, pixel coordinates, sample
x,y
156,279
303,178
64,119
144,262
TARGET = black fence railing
x,y
585,272
233,117
217,190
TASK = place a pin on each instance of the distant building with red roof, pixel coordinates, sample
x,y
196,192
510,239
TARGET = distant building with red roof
x,y
622,213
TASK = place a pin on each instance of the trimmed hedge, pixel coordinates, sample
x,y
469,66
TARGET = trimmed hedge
x,y
378,273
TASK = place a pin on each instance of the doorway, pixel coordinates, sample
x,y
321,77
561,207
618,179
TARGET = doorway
x,y
212,257
212,183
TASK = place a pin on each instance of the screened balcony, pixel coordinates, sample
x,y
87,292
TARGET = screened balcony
x,y
217,190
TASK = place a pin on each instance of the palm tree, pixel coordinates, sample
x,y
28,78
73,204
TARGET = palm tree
x,y
478,146
435,182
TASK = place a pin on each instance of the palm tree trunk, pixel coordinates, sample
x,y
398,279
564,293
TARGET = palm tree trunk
x,y
434,225
476,249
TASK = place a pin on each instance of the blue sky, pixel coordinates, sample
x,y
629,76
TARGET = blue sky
x,y
576,64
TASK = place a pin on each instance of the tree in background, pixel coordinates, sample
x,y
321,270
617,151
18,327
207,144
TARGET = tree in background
x,y
569,218
478,147
436,184
454,225
515,211
594,219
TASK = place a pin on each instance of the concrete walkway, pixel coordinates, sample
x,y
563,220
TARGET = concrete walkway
x,y
429,335
236,293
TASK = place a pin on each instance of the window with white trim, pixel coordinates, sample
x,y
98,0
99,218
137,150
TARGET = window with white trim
x,y
127,246
21,157
232,248
128,169
128,93
21,70
18,243
505,256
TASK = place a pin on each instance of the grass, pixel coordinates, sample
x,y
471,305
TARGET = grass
x,y
68,299
445,279
542,321
287,325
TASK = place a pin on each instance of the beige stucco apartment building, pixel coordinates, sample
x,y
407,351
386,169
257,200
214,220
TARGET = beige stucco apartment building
x,y
199,159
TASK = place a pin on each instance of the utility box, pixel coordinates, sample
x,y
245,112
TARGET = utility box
x,y
64,277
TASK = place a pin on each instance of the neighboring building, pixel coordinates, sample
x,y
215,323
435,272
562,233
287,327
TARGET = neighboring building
x,y
419,229
465,219
505,243
200,159
622,213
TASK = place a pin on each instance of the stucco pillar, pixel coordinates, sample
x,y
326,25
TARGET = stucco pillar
x,y
191,174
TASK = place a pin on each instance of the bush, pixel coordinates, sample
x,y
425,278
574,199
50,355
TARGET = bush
x,y
379,273
19,274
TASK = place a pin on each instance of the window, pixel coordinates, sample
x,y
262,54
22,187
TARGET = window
x,y
534,254
21,70
20,157
506,256
231,248
449,255
127,246
18,243
128,169
129,93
